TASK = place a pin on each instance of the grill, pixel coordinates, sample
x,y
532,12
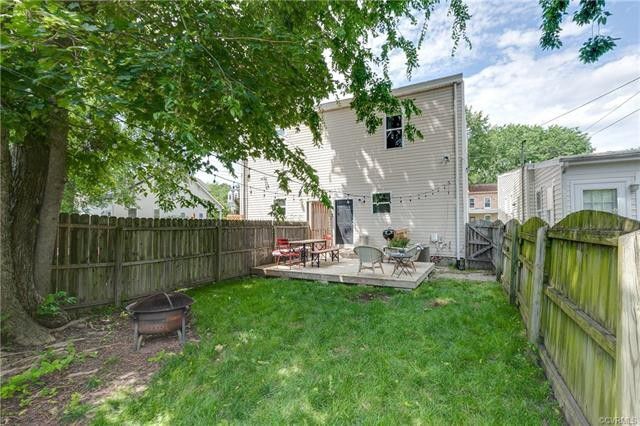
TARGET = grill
x,y
158,314
388,234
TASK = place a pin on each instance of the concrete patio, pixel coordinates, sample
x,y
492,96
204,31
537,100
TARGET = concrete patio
x,y
346,271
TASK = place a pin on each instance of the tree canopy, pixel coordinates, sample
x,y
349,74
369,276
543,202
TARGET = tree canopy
x,y
496,149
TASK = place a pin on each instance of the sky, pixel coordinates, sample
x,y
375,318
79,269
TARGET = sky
x,y
512,80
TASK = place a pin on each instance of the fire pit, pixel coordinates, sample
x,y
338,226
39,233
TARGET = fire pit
x,y
159,313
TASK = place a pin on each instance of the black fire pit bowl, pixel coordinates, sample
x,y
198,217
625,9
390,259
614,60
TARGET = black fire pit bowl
x,y
158,314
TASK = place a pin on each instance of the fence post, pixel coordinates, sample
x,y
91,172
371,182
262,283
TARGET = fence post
x,y
219,251
538,281
515,275
497,237
628,330
117,263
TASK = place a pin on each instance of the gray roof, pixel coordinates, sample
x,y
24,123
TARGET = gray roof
x,y
627,154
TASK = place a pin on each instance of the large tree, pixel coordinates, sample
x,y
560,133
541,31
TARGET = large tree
x,y
155,88
497,149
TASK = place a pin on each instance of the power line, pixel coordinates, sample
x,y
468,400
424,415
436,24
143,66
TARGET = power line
x,y
590,101
616,122
613,110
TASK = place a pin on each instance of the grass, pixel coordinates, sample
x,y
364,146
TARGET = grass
x,y
287,351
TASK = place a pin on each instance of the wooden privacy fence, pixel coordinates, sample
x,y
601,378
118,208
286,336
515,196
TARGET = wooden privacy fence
x,y
576,286
103,260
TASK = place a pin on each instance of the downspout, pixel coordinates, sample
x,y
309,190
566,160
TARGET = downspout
x,y
457,171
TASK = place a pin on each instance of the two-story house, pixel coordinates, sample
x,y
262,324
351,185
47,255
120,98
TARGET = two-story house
x,y
483,202
380,180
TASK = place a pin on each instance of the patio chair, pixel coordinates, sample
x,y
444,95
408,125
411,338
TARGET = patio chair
x,y
283,250
414,251
325,249
371,255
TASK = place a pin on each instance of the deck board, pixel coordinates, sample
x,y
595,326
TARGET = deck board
x,y
346,272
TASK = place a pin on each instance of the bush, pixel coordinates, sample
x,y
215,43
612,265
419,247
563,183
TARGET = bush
x,y
399,242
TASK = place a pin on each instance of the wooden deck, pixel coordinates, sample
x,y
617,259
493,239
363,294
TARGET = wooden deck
x,y
347,272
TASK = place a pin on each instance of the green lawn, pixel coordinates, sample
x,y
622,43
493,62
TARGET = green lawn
x,y
285,351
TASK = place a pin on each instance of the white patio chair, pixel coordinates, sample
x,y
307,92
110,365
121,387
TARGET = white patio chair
x,y
371,255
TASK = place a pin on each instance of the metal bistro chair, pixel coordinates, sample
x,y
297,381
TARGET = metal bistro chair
x,y
370,255
414,251
283,250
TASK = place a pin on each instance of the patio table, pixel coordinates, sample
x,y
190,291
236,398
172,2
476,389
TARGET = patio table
x,y
402,263
304,243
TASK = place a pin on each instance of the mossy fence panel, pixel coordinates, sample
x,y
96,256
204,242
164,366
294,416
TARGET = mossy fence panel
x,y
577,295
103,260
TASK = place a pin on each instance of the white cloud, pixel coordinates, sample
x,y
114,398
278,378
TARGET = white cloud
x,y
531,90
528,38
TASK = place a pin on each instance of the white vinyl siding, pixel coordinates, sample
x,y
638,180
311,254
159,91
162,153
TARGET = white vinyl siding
x,y
354,164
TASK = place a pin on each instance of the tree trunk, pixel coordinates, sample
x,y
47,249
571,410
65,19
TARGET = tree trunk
x,y
33,174
17,324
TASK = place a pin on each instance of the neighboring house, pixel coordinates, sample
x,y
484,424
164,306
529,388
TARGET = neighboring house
x,y
379,180
233,198
606,181
147,206
483,202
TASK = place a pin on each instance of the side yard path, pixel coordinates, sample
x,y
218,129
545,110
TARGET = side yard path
x,y
285,351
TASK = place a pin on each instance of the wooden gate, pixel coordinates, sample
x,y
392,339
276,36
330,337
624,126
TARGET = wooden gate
x,y
319,219
480,244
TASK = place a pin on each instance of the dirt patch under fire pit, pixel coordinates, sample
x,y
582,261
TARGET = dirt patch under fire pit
x,y
92,362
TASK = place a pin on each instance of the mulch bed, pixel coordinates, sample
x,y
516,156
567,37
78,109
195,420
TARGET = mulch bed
x,y
106,363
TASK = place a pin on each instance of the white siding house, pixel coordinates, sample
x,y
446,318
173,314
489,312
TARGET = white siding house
x,y
606,181
147,206
381,180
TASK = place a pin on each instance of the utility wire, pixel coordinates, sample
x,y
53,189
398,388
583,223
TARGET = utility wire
x,y
616,122
590,101
613,110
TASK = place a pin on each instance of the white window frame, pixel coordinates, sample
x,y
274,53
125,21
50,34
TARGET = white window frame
x,y
485,203
373,204
472,203
401,128
620,185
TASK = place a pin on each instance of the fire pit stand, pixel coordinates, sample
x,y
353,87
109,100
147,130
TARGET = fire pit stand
x,y
158,314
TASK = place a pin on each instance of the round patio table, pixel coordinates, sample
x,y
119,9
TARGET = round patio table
x,y
402,263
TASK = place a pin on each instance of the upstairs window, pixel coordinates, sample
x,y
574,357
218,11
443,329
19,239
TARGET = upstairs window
x,y
381,202
487,202
472,203
393,131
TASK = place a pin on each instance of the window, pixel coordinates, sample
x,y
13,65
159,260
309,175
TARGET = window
x,y
393,131
281,205
487,217
487,202
539,205
132,213
156,213
183,215
472,203
605,200
381,202
200,215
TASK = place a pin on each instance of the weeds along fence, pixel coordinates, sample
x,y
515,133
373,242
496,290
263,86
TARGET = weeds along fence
x,y
106,260
577,288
